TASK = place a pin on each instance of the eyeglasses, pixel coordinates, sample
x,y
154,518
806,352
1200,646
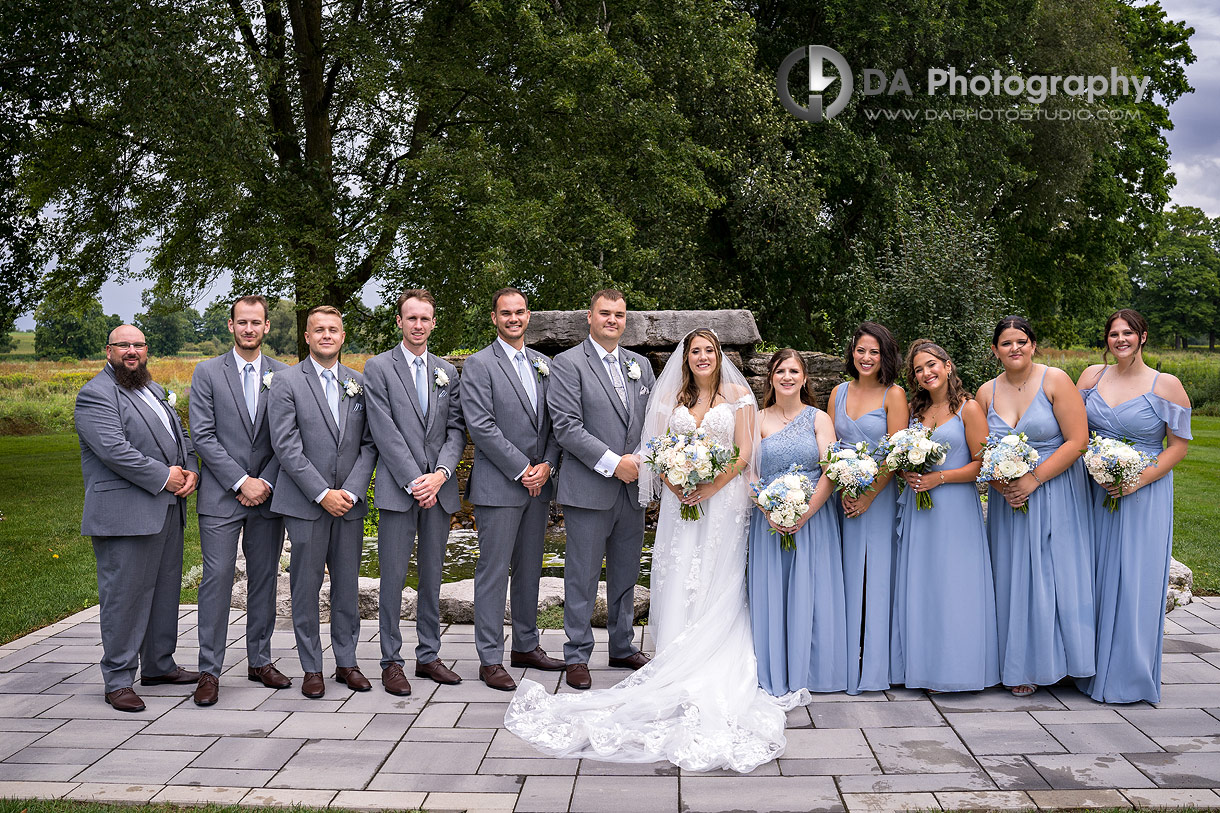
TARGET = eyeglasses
x,y
128,345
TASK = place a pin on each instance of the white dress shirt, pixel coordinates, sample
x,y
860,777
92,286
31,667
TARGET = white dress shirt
x,y
609,460
318,370
512,352
241,371
410,359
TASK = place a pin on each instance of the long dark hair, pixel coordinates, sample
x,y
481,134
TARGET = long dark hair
x,y
689,393
780,357
891,359
1013,323
921,400
1134,320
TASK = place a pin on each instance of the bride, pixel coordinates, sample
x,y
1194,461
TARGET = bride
x,y
697,703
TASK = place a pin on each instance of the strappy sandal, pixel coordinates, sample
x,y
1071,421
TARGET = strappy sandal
x,y
1024,690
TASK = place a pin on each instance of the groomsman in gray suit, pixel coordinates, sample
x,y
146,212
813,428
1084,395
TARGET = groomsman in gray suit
x,y
317,417
138,466
415,416
504,396
229,425
597,405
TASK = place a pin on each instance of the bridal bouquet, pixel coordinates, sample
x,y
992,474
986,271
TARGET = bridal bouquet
x,y
687,459
1007,458
785,500
1115,462
851,467
912,449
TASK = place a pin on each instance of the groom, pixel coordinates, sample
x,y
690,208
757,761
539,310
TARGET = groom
x,y
597,402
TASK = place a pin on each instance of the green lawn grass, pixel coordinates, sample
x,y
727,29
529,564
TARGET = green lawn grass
x,y
24,339
1196,505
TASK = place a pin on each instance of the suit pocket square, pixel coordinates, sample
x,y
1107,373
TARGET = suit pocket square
x,y
357,407
644,390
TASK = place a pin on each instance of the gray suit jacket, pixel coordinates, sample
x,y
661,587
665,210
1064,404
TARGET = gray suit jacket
x,y
314,453
508,434
408,444
228,444
589,419
125,455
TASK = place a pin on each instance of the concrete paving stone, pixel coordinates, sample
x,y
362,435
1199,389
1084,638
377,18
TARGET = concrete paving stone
x,y
390,727
920,750
1073,799
199,795
1174,628
545,794
594,767
1013,773
1102,738
31,705
322,725
483,715
67,756
292,700
1198,671
372,800
378,701
916,782
287,797
507,744
435,757
471,802
217,722
817,743
828,767
765,769
35,790
333,764
24,655
888,802
524,767
1099,715
1180,657
28,682
244,698
1004,733
71,653
91,674
130,765
260,753
228,777
440,715
902,694
1179,770
113,792
1196,642
483,735
985,800
1080,771
798,718
714,794
876,715
1072,698
840,697
1180,797
1195,624
170,742
1188,744
94,706
995,700
38,772
1173,722
607,794
97,733
446,783
1211,657
89,630
29,724
15,741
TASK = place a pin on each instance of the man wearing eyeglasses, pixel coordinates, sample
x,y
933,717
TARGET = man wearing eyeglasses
x,y
139,466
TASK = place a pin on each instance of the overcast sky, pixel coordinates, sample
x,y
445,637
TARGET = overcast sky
x,y
1194,141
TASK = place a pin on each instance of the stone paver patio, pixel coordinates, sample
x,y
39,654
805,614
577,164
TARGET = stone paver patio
x,y
443,747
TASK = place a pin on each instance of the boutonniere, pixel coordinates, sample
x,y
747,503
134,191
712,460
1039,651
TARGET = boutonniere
x,y
633,370
267,376
171,398
442,380
352,388
541,367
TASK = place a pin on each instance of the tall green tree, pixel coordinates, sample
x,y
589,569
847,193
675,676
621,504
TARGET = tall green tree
x,y
1177,281
168,323
61,332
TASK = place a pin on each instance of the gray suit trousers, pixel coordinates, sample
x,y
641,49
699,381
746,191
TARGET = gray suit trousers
x,y
262,540
617,534
510,540
139,579
396,533
317,545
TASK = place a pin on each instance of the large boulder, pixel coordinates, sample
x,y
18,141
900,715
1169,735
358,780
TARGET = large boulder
x,y
1181,585
554,331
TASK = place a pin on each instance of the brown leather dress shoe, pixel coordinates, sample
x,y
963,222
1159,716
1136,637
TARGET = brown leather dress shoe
x,y
269,676
578,676
351,677
313,686
437,671
394,681
125,700
495,677
179,675
636,661
538,659
208,690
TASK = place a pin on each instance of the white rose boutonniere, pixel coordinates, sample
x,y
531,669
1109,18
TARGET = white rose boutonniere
x,y
633,370
171,398
352,388
541,367
442,380
267,376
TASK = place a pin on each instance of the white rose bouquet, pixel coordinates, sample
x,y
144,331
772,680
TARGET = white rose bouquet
x,y
687,459
912,449
1007,458
785,500
1114,462
851,467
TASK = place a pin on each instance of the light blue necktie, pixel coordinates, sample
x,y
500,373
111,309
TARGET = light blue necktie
x,y
332,394
527,381
616,378
421,385
248,385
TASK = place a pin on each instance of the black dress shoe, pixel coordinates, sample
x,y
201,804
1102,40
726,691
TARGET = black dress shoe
x,y
179,675
125,700
538,659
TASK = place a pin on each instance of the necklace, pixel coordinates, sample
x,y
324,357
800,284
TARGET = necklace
x,y
784,415
1028,376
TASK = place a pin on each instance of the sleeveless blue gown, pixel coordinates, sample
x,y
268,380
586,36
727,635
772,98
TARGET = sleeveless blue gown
x,y
1132,548
796,596
1043,563
868,562
944,598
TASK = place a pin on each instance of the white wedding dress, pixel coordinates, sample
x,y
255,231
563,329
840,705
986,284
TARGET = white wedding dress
x,y
697,703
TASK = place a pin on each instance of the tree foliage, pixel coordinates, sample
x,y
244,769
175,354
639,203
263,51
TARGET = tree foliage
x,y
1178,280
61,332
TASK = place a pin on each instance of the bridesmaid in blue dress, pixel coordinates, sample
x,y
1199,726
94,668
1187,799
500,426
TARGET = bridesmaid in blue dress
x,y
868,522
1133,544
944,636
1043,559
796,596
